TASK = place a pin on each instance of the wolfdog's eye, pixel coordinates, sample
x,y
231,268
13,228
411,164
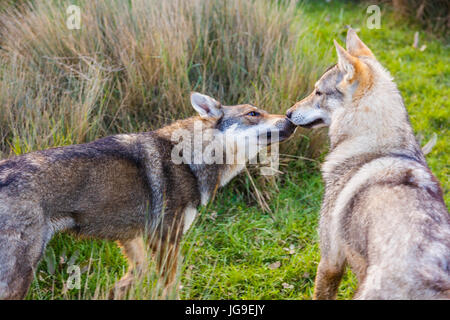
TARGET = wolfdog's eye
x,y
318,93
253,114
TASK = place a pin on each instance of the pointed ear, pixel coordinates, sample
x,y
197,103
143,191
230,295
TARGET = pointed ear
x,y
207,107
346,62
355,46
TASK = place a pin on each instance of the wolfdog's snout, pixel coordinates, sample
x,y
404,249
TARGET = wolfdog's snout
x,y
286,127
280,131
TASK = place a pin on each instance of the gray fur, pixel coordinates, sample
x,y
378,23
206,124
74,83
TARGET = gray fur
x,y
383,211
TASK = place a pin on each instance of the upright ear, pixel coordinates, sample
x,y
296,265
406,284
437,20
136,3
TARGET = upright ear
x,y
355,46
207,107
346,62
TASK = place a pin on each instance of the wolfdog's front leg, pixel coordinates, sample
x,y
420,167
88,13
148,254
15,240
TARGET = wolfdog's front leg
x,y
167,262
136,254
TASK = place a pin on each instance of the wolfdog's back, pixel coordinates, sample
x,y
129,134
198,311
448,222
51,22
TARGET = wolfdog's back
x,y
404,231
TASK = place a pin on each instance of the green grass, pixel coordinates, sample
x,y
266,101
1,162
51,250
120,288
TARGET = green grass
x,y
235,250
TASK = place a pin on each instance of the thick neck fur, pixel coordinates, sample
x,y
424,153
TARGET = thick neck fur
x,y
209,176
375,125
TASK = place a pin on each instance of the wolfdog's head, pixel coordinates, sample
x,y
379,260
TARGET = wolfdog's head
x,y
244,120
356,84
232,135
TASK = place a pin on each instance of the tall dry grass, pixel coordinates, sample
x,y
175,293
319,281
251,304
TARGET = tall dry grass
x,y
132,65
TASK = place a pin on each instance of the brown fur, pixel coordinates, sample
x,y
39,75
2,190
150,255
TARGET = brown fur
x,y
125,188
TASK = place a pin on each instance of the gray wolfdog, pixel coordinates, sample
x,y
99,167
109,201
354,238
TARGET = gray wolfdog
x,y
383,211
124,187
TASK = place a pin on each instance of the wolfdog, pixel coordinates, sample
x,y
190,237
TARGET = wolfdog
x,y
125,187
383,211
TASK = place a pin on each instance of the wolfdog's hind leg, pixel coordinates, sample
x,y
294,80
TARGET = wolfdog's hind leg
x,y
136,254
21,245
327,279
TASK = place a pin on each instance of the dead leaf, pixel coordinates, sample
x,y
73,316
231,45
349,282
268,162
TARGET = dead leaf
x,y
274,265
287,285
291,249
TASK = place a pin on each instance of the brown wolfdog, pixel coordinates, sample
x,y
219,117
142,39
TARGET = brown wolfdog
x,y
126,187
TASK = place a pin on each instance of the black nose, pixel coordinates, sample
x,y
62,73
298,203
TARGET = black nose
x,y
289,114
